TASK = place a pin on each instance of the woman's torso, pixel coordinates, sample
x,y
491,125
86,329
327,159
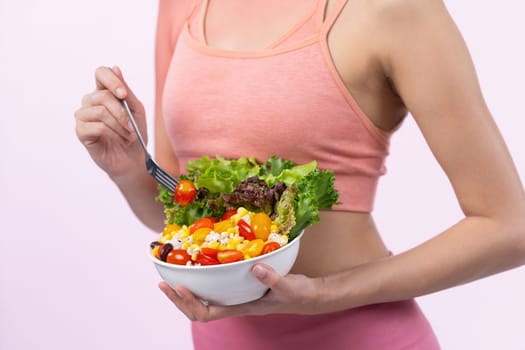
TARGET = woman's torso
x,y
342,239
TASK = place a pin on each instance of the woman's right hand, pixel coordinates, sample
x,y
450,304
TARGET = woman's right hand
x,y
103,127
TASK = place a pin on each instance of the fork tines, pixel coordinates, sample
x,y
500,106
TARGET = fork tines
x,y
160,175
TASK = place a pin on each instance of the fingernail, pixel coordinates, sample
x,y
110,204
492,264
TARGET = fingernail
x,y
179,294
259,271
120,92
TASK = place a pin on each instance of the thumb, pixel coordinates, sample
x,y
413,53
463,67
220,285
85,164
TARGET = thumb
x,y
267,275
130,97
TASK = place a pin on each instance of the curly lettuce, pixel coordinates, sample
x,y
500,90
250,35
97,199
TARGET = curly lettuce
x,y
313,192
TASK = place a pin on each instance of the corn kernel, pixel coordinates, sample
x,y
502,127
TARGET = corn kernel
x,y
231,230
214,245
242,211
274,228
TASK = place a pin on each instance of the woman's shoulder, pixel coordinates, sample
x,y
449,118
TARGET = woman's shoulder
x,y
402,7
405,12
394,24
387,17
176,8
172,14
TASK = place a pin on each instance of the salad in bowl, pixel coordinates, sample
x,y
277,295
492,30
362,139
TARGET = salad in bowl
x,y
227,214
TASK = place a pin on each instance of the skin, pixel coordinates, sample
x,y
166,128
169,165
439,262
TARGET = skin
x,y
394,56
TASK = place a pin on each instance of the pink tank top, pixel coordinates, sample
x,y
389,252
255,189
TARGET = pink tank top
x,y
286,100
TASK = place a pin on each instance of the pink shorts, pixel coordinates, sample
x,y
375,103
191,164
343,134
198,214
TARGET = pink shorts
x,y
388,326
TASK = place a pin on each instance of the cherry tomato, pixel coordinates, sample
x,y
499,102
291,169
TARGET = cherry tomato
x,y
185,192
254,248
213,219
211,252
199,236
270,247
221,226
204,222
178,257
228,214
170,228
229,256
245,230
262,225
206,260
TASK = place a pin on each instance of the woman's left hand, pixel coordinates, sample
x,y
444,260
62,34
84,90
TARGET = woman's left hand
x,y
288,294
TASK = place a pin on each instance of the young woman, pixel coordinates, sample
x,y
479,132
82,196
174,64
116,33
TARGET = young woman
x,y
329,80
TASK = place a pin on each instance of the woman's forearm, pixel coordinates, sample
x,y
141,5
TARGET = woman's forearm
x,y
140,190
474,248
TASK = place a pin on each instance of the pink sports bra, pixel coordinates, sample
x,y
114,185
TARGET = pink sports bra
x,y
286,100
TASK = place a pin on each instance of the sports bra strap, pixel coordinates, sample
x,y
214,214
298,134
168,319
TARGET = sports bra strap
x,y
333,15
315,16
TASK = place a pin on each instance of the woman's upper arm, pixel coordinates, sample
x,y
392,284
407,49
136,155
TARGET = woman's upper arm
x,y
432,70
171,17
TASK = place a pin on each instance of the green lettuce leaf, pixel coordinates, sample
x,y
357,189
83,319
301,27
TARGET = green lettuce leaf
x,y
221,175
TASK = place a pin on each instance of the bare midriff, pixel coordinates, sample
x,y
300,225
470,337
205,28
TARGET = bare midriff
x,y
340,241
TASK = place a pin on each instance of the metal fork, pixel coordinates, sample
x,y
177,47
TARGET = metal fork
x,y
159,174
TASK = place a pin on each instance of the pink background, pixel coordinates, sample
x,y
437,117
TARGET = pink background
x,y
74,273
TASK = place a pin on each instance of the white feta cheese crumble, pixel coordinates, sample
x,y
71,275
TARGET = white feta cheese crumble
x,y
177,241
213,237
275,237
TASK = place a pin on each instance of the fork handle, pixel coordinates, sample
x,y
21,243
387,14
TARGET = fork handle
x,y
135,127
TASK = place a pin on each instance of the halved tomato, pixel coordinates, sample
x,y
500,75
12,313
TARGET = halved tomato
x,y
178,257
228,213
254,248
270,247
229,256
211,252
204,222
206,260
245,230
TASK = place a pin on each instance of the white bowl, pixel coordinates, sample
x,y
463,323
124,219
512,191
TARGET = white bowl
x,y
232,283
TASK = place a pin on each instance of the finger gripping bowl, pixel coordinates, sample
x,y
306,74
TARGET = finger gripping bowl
x,y
232,283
